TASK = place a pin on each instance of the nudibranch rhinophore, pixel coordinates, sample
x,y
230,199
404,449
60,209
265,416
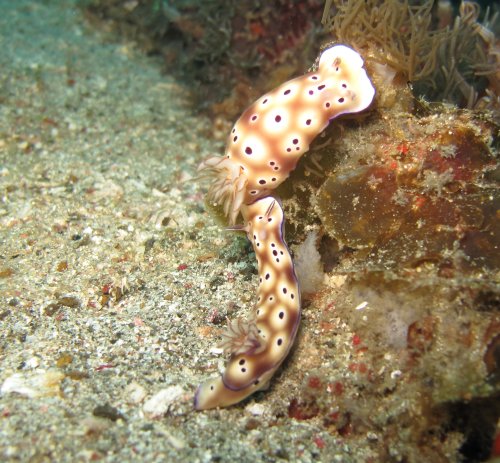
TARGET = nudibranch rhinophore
x,y
268,139
277,313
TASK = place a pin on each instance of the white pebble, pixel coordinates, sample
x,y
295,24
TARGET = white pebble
x,y
38,384
396,374
255,409
135,392
33,362
159,404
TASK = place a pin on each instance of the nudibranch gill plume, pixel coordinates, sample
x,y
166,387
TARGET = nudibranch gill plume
x,y
269,138
264,146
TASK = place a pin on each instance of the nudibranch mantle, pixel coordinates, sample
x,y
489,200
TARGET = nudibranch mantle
x,y
277,313
269,138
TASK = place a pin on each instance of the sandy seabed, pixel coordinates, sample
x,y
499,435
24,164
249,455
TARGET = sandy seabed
x,y
115,282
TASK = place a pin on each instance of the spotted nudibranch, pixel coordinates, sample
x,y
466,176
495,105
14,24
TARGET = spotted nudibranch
x,y
277,314
268,139
263,148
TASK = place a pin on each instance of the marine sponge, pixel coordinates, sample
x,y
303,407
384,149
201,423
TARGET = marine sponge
x,y
308,266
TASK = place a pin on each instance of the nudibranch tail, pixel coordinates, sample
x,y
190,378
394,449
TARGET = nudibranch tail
x,y
271,135
214,393
277,313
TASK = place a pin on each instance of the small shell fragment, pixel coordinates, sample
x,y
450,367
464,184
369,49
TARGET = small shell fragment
x,y
34,384
361,306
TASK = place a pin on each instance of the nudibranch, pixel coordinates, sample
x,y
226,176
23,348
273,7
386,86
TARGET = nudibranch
x,y
264,146
268,139
276,316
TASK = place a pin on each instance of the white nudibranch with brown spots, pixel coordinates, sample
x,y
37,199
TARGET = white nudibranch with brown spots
x,y
269,138
263,148
276,317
